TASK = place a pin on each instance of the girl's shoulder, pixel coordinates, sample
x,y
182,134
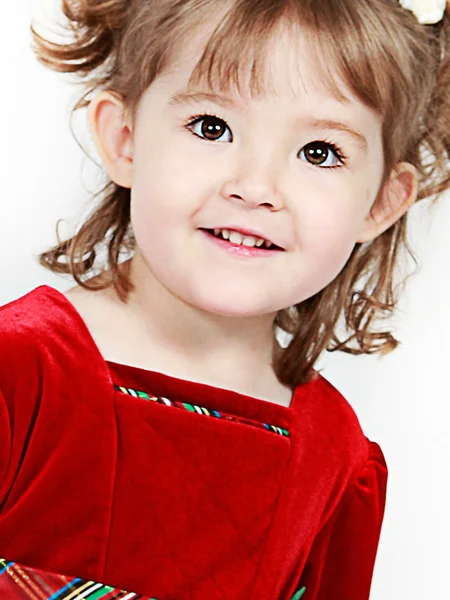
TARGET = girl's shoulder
x,y
45,348
33,317
39,330
334,424
24,321
28,336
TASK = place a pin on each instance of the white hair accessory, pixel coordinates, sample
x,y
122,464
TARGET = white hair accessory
x,y
427,12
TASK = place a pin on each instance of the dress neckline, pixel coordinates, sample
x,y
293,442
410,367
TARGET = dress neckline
x,y
163,384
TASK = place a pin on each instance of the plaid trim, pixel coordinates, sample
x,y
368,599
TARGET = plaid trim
x,y
202,410
18,582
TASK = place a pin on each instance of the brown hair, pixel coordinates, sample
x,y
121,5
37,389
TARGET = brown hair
x,y
392,63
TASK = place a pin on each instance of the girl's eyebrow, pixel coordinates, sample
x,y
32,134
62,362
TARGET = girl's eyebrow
x,y
184,98
190,97
339,126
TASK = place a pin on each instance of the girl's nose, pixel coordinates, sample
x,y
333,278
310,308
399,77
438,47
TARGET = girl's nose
x,y
254,185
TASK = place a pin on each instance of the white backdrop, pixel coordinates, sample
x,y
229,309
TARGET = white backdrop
x,y
402,400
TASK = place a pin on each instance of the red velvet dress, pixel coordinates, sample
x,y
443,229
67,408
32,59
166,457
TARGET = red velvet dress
x,y
174,489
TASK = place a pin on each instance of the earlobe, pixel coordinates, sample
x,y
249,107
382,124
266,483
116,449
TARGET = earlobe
x,y
396,197
113,136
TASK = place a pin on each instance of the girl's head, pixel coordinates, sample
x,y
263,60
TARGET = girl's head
x,y
309,122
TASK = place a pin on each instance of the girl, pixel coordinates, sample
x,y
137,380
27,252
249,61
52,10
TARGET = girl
x,y
261,157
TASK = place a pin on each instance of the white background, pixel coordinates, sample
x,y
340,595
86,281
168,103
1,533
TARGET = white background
x,y
402,400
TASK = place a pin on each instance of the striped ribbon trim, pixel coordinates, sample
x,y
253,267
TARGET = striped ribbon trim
x,y
18,581
201,410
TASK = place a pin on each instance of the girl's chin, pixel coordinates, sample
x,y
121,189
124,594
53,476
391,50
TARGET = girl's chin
x,y
234,307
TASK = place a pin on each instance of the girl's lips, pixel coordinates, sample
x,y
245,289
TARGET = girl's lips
x,y
236,249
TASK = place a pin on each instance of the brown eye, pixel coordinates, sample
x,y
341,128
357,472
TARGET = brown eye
x,y
321,154
210,128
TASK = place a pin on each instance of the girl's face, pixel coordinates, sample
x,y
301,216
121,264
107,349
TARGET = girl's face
x,y
297,166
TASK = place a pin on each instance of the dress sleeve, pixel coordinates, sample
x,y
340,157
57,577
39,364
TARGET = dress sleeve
x,y
19,395
342,558
5,441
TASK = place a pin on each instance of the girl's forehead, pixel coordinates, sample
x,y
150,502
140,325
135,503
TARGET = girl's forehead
x,y
290,68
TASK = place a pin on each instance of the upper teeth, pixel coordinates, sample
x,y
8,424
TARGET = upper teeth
x,y
237,238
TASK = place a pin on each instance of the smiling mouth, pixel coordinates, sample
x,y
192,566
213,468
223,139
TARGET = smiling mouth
x,y
271,247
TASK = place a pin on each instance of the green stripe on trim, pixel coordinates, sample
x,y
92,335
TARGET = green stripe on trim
x,y
299,594
97,595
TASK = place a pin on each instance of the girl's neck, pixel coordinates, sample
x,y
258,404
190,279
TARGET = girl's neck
x,y
152,336
185,330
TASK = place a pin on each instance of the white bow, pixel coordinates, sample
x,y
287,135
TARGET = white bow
x,y
427,12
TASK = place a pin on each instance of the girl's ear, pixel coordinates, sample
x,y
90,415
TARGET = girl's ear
x,y
395,198
113,136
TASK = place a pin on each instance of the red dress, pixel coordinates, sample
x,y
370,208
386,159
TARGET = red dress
x,y
174,489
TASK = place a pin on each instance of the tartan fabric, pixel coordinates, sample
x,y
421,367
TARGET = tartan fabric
x,y
18,582
202,410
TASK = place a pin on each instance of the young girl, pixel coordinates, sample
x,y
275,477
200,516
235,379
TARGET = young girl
x,y
158,432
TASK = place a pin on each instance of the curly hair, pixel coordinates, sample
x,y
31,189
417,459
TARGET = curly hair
x,y
394,65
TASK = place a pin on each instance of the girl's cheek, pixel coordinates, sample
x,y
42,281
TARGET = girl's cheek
x,y
329,230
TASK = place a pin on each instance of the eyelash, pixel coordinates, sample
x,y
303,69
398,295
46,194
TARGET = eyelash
x,y
337,152
335,149
197,118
